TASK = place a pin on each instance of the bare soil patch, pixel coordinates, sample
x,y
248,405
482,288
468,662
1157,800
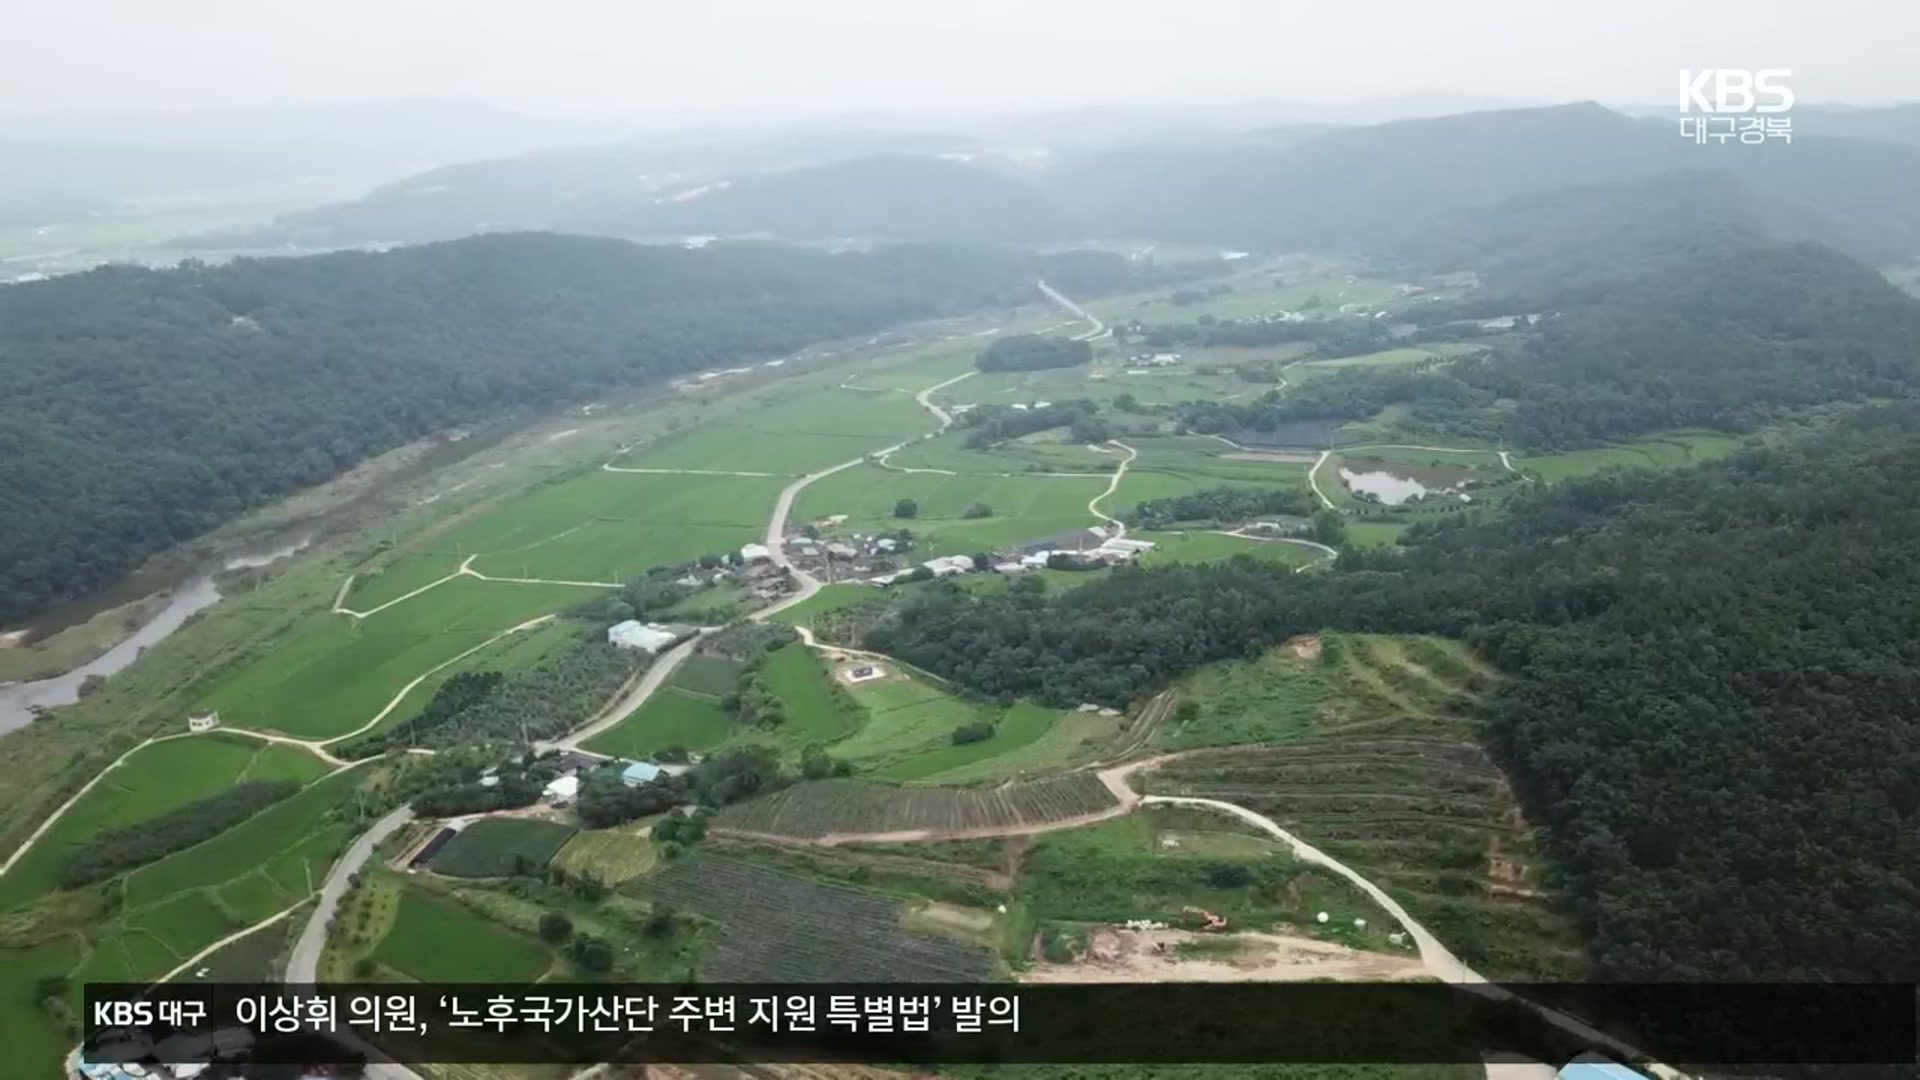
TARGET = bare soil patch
x,y
1119,955
1305,647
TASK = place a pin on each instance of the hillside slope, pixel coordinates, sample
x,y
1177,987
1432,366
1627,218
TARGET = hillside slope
x,y
887,196
1370,189
145,407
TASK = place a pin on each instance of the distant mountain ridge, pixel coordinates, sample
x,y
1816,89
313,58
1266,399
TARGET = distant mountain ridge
x,y
1374,190
883,196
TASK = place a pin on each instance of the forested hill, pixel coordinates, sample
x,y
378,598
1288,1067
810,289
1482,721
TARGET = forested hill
x,y
1372,189
882,196
1709,688
144,407
1707,327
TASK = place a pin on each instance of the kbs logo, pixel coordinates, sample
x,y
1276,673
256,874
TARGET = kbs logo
x,y
1728,101
1731,90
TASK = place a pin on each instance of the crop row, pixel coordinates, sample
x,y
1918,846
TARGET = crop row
x,y
857,807
778,927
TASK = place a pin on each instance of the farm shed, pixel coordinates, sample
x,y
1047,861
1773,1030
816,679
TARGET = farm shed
x,y
640,772
753,553
634,634
562,789
1595,1067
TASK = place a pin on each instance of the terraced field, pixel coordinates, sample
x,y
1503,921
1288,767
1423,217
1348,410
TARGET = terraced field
x,y
831,808
779,927
1372,753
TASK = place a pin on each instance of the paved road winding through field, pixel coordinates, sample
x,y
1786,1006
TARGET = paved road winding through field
x,y
1093,504
1099,330
303,967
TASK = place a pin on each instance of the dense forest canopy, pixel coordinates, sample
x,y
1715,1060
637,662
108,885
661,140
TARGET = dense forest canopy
x,y
1033,352
144,407
1709,692
1710,327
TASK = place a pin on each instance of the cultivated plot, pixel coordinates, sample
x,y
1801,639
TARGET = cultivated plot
x,y
497,847
776,926
858,807
332,675
1021,508
1658,452
671,717
789,435
434,940
162,777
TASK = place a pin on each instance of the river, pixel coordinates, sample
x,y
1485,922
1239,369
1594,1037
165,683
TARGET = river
x,y
19,700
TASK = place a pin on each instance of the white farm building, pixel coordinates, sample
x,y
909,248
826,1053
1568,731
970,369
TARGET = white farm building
x,y
634,634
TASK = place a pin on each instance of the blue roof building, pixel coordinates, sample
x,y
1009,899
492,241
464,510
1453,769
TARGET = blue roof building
x,y
1595,1067
640,772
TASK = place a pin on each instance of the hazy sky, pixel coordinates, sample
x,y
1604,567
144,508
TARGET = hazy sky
x,y
688,58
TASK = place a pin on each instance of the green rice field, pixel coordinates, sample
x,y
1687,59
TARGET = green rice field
x,y
669,718
333,674
790,435
1024,507
162,777
435,940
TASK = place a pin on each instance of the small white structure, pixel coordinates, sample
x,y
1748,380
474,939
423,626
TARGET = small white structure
x,y
1122,544
1322,917
949,565
1037,560
886,543
634,634
1144,924
562,789
753,553
197,724
1359,924
842,551
1008,567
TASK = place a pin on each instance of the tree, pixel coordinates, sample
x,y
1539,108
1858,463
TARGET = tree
x,y
659,922
982,561
555,926
977,510
591,953
815,764
906,508
977,731
619,611
1329,528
